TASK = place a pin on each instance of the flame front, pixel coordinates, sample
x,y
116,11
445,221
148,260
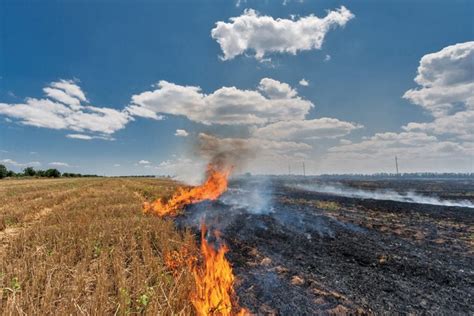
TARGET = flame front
x,y
215,184
214,283
214,289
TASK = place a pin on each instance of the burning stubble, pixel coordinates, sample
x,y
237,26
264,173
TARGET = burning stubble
x,y
214,293
214,280
215,184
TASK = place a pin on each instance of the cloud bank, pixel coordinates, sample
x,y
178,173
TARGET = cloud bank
x,y
272,101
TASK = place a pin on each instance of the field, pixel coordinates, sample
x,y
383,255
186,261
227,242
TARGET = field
x,y
297,251
82,246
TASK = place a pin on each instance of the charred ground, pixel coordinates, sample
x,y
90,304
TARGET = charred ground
x,y
317,253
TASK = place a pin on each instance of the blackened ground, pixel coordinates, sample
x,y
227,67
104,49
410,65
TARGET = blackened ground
x,y
315,253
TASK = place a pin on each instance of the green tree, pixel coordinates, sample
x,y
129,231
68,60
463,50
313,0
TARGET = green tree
x,y
29,171
3,171
52,173
40,173
10,173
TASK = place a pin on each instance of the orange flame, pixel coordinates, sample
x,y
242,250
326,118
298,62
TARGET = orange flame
x,y
214,291
215,184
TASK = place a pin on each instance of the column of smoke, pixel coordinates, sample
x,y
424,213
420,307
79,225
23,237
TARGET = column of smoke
x,y
390,195
245,195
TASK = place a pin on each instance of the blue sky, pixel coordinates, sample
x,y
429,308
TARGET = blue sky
x,y
115,50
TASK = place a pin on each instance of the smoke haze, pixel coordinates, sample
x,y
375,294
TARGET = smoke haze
x,y
390,195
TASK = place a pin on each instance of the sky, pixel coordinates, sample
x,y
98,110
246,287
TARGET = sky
x,y
132,87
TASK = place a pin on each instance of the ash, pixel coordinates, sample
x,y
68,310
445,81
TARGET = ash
x,y
297,251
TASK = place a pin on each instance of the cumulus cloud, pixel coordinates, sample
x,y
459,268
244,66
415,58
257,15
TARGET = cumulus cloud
x,y
263,34
459,125
144,162
446,80
272,101
181,133
303,82
446,90
64,109
306,129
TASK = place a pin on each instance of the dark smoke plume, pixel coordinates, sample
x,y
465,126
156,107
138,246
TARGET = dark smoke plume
x,y
225,153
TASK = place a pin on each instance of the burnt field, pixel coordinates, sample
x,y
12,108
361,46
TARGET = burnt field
x,y
299,251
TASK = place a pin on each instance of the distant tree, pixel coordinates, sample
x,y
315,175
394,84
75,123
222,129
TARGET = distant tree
x,y
40,173
3,171
10,173
52,173
29,171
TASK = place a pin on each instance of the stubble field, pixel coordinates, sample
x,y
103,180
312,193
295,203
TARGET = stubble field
x,y
83,246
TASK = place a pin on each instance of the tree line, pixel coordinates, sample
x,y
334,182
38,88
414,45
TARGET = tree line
x,y
31,172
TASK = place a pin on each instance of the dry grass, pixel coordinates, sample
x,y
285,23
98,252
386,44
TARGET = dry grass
x,y
82,246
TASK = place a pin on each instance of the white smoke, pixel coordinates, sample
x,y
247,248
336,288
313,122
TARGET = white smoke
x,y
253,196
390,195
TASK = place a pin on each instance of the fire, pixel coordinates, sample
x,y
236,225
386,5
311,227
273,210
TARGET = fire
x,y
214,291
177,259
215,184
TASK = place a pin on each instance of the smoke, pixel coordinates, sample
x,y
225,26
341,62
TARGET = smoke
x,y
390,195
224,153
245,197
253,195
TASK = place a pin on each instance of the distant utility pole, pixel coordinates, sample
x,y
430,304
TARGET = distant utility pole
x,y
396,165
304,170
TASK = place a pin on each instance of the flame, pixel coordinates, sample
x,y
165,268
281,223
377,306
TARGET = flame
x,y
175,260
214,289
215,184
214,279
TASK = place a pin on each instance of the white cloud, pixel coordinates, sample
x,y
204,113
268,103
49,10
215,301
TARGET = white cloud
x,y
239,2
303,82
59,164
272,101
69,87
143,112
144,162
459,125
418,152
446,80
117,165
306,129
446,90
263,34
327,58
89,137
19,164
63,110
181,133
